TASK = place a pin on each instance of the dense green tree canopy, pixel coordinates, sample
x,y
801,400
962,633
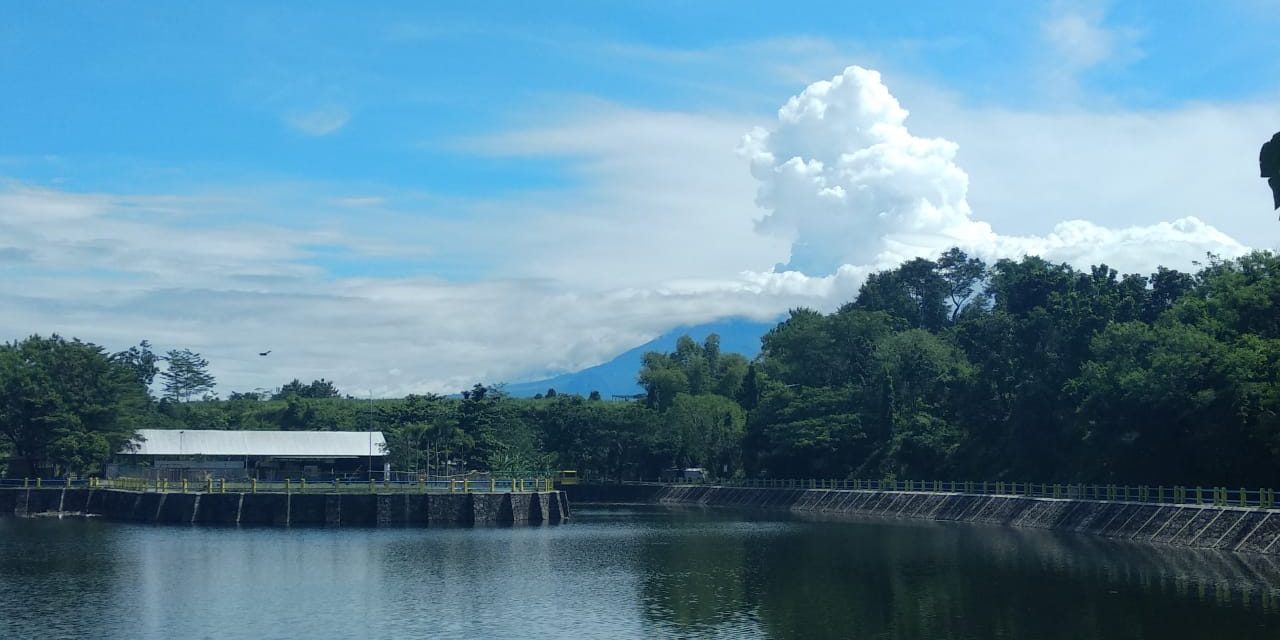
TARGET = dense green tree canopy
x,y
1021,370
66,405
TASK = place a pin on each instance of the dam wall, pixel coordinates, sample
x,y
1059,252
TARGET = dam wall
x,y
1248,529
290,509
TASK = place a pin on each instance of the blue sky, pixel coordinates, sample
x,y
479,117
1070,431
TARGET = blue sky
x,y
566,176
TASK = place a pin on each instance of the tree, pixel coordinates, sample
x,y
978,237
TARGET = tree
x,y
705,430
316,389
418,425
914,292
142,362
963,276
65,405
187,375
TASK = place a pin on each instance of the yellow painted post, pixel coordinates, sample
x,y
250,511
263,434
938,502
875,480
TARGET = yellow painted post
x,y
493,485
68,481
184,485
1199,496
208,485
253,485
422,487
450,485
521,485
302,485
39,482
288,485
335,484
372,484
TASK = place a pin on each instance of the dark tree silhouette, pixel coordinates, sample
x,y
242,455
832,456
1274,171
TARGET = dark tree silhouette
x,y
1269,161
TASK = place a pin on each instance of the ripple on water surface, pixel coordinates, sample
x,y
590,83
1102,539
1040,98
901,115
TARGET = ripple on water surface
x,y
632,572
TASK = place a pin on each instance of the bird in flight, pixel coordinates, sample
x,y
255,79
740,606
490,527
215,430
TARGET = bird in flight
x,y
267,352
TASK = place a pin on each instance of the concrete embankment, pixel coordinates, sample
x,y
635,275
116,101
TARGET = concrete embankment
x,y
281,509
1206,526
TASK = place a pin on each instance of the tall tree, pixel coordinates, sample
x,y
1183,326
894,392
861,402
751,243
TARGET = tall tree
x,y
144,363
66,405
186,375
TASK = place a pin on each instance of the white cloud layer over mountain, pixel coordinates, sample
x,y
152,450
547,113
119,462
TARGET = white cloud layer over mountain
x,y
660,230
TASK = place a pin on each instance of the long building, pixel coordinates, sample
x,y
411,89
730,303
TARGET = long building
x,y
265,455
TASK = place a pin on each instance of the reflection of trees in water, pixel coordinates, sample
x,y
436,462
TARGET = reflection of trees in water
x,y
907,580
696,581
75,567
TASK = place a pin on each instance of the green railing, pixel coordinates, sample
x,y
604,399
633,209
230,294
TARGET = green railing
x,y
1219,496
301,485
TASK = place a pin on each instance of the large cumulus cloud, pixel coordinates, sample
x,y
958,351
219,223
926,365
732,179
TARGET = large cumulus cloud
x,y
845,181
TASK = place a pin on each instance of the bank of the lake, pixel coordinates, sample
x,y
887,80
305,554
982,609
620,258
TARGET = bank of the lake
x,y
646,572
404,507
1212,526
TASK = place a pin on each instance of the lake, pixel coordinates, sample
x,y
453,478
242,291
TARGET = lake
x,y
622,573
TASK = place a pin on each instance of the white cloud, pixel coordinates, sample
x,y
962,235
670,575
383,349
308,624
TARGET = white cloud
x,y
116,269
318,122
847,184
657,228
1079,39
663,198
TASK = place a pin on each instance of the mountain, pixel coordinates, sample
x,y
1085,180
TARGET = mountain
x,y
618,376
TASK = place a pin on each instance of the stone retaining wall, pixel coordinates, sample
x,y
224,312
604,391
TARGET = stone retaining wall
x,y
279,509
1206,526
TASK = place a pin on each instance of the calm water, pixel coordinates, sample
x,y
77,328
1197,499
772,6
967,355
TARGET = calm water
x,y
625,573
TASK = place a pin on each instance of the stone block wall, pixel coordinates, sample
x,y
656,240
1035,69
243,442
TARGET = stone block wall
x,y
279,509
1205,526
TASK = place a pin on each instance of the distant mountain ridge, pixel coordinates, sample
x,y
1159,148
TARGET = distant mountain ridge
x,y
618,376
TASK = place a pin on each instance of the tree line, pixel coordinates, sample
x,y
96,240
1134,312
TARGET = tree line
x,y
1020,370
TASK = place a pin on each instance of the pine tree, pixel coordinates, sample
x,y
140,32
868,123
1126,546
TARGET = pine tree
x,y
187,375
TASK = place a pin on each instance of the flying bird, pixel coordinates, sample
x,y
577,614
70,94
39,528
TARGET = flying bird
x,y
267,352
1269,161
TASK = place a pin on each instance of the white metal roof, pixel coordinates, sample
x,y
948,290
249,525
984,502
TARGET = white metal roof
x,y
279,444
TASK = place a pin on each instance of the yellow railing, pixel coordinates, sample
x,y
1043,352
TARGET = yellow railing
x,y
301,485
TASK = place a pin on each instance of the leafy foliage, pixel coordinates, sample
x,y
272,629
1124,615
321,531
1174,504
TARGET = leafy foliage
x,y
66,405
186,375
1021,370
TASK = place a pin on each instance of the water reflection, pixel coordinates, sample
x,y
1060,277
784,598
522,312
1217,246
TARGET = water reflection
x,y
630,573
